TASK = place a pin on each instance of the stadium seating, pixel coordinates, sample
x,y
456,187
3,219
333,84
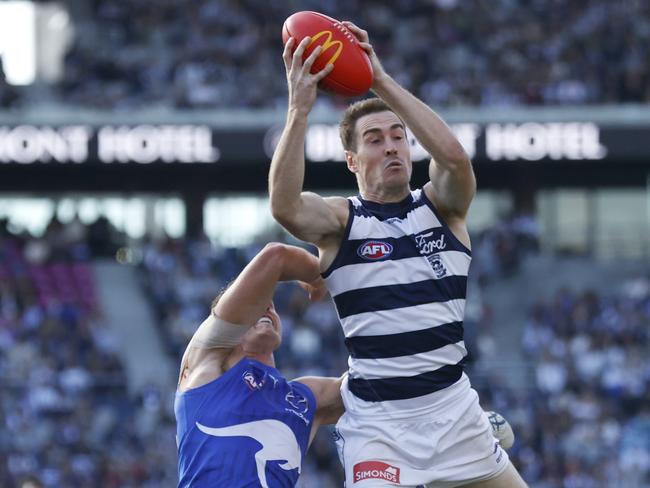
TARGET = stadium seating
x,y
591,424
450,53
66,417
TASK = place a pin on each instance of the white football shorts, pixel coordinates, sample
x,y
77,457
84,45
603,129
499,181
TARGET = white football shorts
x,y
449,445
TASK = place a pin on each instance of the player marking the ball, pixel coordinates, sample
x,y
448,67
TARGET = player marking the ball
x,y
395,261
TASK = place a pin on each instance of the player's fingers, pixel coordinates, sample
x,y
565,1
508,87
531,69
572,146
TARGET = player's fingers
x,y
356,29
286,54
311,58
324,72
366,46
297,54
361,34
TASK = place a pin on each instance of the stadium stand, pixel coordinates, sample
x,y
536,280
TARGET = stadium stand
x,y
591,420
66,417
129,54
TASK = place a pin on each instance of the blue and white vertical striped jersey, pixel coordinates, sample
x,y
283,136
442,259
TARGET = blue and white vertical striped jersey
x,y
399,285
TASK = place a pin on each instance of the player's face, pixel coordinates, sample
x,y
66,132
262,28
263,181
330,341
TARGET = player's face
x,y
266,334
382,160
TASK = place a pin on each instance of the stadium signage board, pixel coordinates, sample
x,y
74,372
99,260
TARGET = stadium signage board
x,y
200,144
529,141
78,144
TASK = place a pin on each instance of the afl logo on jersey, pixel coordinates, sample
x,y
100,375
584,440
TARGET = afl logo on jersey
x,y
254,378
375,250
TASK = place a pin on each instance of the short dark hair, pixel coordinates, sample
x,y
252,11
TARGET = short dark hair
x,y
353,113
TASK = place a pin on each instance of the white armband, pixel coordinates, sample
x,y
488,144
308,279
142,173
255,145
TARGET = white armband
x,y
215,332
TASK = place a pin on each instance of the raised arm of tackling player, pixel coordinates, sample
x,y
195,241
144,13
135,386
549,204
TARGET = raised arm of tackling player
x,y
452,179
246,300
243,303
306,215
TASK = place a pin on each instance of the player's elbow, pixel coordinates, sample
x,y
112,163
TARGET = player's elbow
x,y
456,158
455,163
274,253
278,211
272,259
279,207
284,213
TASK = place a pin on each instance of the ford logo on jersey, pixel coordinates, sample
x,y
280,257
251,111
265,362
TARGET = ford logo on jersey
x,y
375,250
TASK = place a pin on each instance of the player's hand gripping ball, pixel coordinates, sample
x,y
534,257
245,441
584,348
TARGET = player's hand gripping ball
x,y
352,72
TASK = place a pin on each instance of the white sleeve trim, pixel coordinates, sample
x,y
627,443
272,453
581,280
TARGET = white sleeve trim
x,y
215,332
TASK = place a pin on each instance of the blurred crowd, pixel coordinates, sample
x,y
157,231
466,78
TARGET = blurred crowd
x,y
68,419
588,421
499,249
227,53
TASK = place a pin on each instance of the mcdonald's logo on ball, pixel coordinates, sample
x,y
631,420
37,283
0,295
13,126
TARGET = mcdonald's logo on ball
x,y
327,44
352,72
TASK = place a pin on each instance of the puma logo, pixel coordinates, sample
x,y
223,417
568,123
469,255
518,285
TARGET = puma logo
x,y
277,439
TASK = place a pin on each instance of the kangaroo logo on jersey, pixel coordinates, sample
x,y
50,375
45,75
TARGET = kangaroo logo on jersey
x,y
375,250
277,439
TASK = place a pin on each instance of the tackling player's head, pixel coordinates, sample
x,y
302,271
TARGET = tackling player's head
x,y
265,336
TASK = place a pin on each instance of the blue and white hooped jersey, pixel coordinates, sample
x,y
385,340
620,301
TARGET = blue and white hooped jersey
x,y
399,285
248,428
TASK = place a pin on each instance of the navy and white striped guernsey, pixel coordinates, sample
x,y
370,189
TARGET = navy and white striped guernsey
x,y
399,285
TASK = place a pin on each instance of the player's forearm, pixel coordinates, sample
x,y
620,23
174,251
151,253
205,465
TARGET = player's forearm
x,y
287,172
281,262
430,130
299,265
328,398
247,298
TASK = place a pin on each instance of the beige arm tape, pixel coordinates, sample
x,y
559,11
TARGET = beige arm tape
x,y
215,332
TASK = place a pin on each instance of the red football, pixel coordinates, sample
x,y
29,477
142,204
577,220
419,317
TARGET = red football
x,y
352,72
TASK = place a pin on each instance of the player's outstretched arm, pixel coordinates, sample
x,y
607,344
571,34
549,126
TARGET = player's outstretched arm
x,y
329,405
243,303
246,300
249,296
306,215
450,169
